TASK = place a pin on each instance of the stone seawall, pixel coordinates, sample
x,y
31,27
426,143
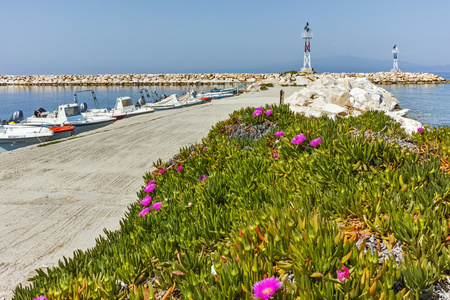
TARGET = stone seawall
x,y
288,78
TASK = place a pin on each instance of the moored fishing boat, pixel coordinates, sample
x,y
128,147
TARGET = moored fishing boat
x,y
216,95
170,102
125,106
16,136
68,114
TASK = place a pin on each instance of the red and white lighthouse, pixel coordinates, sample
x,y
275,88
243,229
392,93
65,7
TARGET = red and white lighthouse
x,y
307,35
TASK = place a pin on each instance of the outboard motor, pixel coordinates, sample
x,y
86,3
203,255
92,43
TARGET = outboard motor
x,y
38,112
16,117
83,107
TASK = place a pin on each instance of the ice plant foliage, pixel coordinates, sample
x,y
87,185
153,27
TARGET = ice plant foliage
x,y
342,275
146,201
298,139
279,133
266,288
156,206
144,212
316,142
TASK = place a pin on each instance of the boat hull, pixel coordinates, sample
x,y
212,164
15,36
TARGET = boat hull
x,y
15,143
80,128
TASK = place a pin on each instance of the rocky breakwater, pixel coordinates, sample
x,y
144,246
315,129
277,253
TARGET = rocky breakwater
x,y
332,97
138,79
393,77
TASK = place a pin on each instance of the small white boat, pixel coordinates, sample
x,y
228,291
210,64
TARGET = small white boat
x,y
17,136
97,111
69,114
125,106
170,102
216,95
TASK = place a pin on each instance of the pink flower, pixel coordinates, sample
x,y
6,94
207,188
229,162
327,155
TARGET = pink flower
x,y
149,188
156,206
206,148
279,133
144,212
189,204
341,276
275,155
180,168
146,201
316,142
420,129
260,108
265,288
268,112
40,298
203,178
257,113
298,139
162,170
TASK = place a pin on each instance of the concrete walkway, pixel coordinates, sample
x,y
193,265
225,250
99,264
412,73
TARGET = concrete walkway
x,y
59,198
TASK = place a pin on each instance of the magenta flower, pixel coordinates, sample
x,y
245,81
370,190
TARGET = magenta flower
x,y
144,212
316,142
206,148
203,178
149,188
257,113
279,133
156,206
341,276
298,139
260,108
146,201
420,129
40,298
268,112
162,170
265,288
180,168
275,155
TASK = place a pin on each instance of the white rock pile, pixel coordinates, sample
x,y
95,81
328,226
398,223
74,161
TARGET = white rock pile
x,y
332,97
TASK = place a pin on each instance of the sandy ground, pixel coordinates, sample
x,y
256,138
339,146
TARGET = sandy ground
x,y
59,198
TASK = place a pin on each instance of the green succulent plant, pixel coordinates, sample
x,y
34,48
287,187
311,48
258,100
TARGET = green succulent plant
x,y
236,213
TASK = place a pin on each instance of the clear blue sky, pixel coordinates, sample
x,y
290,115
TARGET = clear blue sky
x,y
182,36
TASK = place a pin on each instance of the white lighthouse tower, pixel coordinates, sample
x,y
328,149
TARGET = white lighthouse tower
x,y
395,66
307,35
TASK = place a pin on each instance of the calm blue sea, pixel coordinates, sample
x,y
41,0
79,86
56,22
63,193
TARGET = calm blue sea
x,y
429,103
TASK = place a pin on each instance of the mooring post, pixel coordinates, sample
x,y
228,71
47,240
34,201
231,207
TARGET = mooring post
x,y
281,97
